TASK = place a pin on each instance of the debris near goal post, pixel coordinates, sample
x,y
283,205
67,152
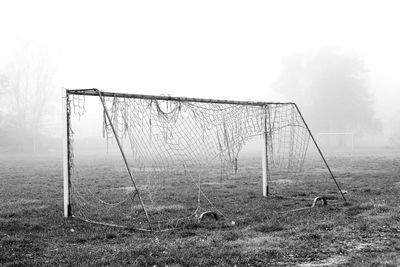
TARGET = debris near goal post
x,y
178,157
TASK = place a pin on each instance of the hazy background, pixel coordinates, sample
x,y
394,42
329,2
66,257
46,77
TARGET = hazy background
x,y
339,60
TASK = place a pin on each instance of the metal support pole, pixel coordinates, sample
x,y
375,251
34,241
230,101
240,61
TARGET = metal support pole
x,y
66,152
320,152
291,139
265,170
123,154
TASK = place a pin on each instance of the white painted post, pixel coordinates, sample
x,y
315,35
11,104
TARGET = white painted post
x,y
265,157
66,159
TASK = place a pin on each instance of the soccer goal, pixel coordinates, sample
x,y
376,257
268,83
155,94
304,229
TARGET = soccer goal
x,y
172,159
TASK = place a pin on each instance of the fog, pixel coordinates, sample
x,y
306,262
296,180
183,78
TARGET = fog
x,y
338,60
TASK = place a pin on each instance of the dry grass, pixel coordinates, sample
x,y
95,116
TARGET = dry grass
x,y
364,232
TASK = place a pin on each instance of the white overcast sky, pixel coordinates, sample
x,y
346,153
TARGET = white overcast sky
x,y
213,49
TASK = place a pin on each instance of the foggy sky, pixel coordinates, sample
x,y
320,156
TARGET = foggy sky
x,y
211,49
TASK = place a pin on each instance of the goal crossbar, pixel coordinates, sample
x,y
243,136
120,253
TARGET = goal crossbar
x,y
95,92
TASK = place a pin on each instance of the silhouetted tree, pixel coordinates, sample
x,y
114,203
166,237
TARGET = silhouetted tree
x,y
331,86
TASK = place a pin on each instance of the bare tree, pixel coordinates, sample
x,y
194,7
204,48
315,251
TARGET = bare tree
x,y
27,85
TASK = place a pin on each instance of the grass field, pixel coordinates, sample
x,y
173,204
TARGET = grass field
x,y
363,232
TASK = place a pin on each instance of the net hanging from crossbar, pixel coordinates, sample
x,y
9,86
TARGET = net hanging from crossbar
x,y
179,150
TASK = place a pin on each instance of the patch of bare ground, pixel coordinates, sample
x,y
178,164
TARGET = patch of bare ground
x,y
251,241
283,181
211,183
331,261
19,206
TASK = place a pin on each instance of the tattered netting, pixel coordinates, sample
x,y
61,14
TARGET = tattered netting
x,y
180,154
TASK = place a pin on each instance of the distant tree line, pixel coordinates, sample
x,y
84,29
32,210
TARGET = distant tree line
x,y
26,88
332,88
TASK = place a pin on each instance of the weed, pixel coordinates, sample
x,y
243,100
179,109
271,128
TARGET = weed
x,y
363,226
111,235
358,209
268,227
231,235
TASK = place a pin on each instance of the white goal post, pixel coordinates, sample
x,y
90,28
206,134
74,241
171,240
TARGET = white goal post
x,y
66,151
167,133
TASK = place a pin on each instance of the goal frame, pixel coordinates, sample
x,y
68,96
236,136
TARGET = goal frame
x,y
66,117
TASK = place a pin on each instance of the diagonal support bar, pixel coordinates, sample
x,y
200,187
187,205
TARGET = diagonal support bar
x,y
123,154
320,152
